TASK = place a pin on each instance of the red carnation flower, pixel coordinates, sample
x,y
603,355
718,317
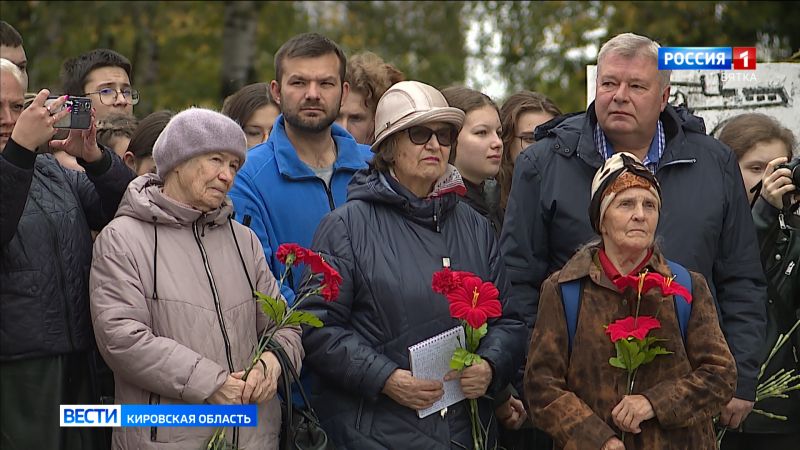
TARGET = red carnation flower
x,y
292,253
315,262
632,327
446,280
330,277
331,282
475,301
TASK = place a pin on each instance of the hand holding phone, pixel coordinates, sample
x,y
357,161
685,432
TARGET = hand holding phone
x,y
80,111
80,143
34,126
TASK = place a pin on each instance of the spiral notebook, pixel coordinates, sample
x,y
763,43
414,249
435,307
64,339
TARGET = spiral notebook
x,y
430,360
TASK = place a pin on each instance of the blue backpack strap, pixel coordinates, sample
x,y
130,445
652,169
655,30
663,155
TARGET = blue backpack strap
x,y
570,299
682,308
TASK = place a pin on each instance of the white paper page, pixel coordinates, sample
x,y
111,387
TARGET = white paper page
x,y
430,360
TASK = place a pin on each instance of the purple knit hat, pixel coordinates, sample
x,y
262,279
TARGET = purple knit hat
x,y
196,131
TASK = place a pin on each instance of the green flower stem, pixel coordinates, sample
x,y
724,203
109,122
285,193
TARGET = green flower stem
x,y
781,340
776,386
262,343
218,438
769,414
720,435
638,304
477,438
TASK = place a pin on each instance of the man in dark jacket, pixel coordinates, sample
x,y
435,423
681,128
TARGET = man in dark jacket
x,y
705,223
46,339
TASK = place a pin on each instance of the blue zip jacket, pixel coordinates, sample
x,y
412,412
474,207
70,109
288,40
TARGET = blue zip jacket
x,y
285,200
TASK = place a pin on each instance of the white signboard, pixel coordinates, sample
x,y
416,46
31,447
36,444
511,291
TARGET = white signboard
x,y
772,89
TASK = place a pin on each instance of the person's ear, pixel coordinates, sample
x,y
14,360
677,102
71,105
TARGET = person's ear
x,y
665,97
129,160
345,92
275,91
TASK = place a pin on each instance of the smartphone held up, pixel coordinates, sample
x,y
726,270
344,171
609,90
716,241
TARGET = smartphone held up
x,y
80,116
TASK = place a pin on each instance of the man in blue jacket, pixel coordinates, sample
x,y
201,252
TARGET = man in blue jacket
x,y
705,221
301,173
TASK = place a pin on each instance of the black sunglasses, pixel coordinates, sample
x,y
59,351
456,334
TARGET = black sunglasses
x,y
421,135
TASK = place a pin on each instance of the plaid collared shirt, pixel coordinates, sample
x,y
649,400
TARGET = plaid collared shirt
x,y
653,156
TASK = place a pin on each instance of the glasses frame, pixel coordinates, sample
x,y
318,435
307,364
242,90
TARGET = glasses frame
x,y
453,135
133,100
522,137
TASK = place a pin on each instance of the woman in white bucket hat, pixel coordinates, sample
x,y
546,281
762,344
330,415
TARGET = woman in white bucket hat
x,y
401,224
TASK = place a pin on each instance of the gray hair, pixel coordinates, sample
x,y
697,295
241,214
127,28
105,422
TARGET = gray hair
x,y
629,45
7,66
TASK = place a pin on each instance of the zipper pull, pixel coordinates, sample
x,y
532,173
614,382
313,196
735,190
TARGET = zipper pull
x,y
445,262
789,269
781,221
435,215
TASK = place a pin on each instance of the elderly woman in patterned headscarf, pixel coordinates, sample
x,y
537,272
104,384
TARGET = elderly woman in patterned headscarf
x,y
573,391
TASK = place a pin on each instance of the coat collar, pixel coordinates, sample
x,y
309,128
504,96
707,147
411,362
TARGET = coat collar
x,y
586,263
676,122
289,164
145,200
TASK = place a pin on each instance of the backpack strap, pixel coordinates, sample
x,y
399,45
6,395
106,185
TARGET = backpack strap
x,y
682,308
571,300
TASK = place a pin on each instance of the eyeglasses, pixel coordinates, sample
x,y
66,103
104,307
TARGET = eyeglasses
x,y
526,139
421,135
108,96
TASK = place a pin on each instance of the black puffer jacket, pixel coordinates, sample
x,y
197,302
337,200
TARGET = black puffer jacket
x,y
705,222
780,254
46,248
386,243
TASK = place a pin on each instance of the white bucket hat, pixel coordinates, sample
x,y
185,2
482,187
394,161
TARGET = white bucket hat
x,y
410,103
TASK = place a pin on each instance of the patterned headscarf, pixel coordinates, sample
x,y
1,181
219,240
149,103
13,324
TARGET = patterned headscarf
x,y
621,171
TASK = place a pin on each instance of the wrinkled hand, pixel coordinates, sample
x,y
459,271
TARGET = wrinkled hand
x,y
511,414
81,143
613,444
411,392
776,183
34,126
230,393
735,412
475,379
261,383
631,411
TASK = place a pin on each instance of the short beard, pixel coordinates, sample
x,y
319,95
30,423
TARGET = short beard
x,y
312,126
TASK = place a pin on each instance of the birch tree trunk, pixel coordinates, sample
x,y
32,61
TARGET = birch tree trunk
x,y
238,45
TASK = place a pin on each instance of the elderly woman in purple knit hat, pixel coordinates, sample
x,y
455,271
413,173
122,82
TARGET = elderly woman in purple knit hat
x,y
172,286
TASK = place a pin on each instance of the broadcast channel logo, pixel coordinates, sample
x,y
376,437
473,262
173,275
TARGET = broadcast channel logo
x,y
707,58
159,415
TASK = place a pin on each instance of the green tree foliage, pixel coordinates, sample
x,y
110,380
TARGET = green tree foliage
x,y
426,40
546,46
177,50
179,58
175,47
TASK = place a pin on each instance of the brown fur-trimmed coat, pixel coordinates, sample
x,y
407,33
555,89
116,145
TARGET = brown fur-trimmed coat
x,y
571,398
